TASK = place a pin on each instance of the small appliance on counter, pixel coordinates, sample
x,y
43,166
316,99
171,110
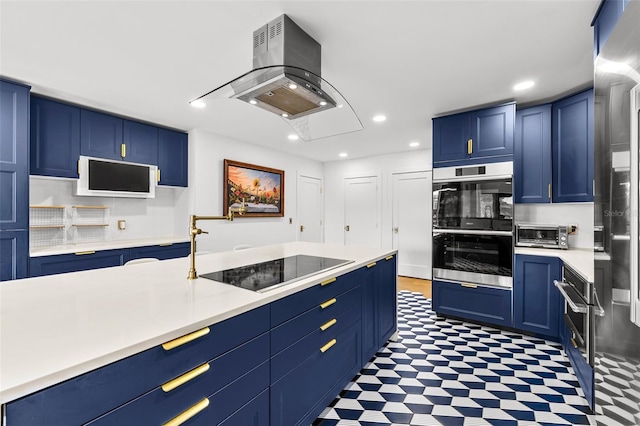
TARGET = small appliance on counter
x,y
542,236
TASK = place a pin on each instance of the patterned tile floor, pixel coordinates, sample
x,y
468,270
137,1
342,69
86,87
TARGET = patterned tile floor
x,y
447,372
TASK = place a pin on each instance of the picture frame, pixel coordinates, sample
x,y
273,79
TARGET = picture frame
x,y
262,189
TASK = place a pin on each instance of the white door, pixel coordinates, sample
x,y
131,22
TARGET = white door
x,y
635,205
412,223
310,211
362,212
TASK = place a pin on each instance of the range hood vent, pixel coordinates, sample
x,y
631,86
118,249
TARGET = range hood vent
x,y
286,80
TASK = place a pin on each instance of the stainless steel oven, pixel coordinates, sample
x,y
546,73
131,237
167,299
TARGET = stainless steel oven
x,y
473,224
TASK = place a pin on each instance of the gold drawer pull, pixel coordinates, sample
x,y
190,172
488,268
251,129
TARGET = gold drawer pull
x,y
165,244
328,345
188,413
329,281
371,265
469,285
388,258
80,253
172,344
123,150
189,375
328,324
328,303
470,146
158,175
575,345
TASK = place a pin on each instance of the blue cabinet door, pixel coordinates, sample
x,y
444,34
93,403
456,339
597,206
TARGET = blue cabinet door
x,y
470,301
141,142
83,261
55,138
492,132
369,317
450,136
100,135
14,254
605,21
387,296
572,144
161,252
532,155
14,156
173,158
537,303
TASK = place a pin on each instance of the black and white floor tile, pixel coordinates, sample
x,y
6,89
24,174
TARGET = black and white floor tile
x,y
618,381
448,372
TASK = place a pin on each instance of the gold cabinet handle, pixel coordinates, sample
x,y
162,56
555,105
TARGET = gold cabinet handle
x,y
371,265
78,167
329,281
469,285
172,344
123,150
388,258
328,324
80,253
328,345
470,146
181,380
188,413
158,175
328,303
549,191
165,244
575,345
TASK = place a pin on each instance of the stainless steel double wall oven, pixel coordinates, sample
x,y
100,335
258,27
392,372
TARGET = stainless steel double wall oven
x,y
473,224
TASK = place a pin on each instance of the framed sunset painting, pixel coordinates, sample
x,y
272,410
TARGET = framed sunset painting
x,y
261,188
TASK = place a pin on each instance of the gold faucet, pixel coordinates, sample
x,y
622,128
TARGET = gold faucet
x,y
194,230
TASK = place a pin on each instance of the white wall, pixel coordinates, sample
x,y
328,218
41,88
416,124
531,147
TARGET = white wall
x,y
206,154
384,165
145,218
580,214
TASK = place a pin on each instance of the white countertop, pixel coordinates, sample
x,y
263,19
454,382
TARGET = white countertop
x,y
57,327
579,259
104,245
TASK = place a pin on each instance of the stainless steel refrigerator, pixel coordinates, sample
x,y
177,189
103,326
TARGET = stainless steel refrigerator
x,y
617,114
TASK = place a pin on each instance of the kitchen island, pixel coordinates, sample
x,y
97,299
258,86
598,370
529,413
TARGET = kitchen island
x,y
59,329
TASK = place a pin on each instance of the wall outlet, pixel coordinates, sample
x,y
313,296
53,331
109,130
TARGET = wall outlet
x,y
122,225
572,229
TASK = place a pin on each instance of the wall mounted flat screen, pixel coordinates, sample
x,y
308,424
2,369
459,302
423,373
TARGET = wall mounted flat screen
x,y
108,176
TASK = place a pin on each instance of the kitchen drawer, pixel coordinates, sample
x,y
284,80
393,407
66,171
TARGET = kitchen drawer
x,y
298,327
486,304
162,252
83,261
285,360
301,395
253,413
290,306
101,390
158,406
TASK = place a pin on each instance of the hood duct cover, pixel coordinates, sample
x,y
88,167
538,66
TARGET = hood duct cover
x,y
286,80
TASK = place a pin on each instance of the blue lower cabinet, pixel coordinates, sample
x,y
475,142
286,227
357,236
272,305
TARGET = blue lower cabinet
x,y
584,372
537,303
470,301
301,395
126,381
161,252
253,413
82,261
387,297
14,254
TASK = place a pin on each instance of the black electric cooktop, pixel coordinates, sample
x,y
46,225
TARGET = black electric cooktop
x,y
274,273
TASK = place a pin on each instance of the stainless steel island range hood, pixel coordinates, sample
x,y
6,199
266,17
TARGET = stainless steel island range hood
x,y
286,80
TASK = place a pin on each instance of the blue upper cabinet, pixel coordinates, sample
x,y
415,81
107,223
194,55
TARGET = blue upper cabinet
x,y
532,155
101,135
572,148
173,158
141,143
605,21
55,138
14,156
482,136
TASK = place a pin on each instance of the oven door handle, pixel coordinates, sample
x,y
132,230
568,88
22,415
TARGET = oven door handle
x,y
598,310
576,303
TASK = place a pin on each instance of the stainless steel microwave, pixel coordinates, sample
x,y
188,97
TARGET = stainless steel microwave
x,y
542,236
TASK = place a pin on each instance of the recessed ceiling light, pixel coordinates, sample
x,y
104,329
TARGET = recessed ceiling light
x,y
322,103
253,102
414,144
379,118
524,85
293,137
293,86
198,103
343,154
284,114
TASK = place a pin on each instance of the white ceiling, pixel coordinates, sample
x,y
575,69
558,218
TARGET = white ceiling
x,y
410,60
